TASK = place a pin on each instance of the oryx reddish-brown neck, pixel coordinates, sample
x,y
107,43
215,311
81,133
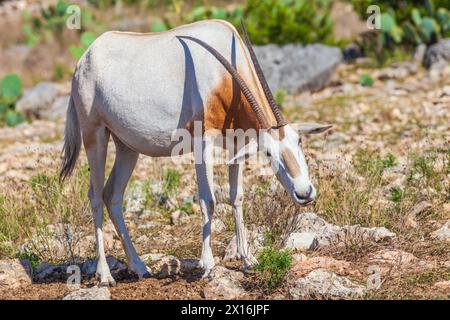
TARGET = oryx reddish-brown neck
x,y
227,108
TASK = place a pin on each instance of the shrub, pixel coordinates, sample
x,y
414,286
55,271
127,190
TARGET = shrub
x,y
409,23
273,266
269,21
289,21
51,23
87,38
365,80
10,92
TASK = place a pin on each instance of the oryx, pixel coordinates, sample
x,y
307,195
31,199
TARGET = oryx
x,y
139,88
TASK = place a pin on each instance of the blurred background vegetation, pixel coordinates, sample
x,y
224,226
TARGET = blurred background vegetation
x,y
55,48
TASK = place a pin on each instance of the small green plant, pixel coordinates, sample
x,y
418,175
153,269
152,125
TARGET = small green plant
x,y
159,26
280,96
10,92
397,194
170,184
31,257
389,161
87,38
409,23
366,80
172,180
273,266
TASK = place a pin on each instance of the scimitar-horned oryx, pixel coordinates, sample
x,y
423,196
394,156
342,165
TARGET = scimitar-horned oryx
x,y
139,88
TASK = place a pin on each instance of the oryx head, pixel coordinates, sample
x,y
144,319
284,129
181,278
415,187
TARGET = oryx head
x,y
283,147
281,143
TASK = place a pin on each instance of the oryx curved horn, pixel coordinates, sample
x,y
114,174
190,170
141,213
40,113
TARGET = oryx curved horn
x,y
242,85
262,79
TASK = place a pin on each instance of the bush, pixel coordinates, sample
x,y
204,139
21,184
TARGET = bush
x,y
289,21
409,23
273,266
269,21
51,23
10,92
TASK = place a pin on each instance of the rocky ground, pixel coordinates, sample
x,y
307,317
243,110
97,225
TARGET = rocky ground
x,y
379,228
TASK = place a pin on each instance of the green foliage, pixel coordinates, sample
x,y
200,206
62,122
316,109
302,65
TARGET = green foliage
x,y
389,161
31,257
10,92
280,96
51,23
397,194
267,21
158,26
11,87
273,266
366,80
289,21
369,163
87,38
170,184
172,180
409,22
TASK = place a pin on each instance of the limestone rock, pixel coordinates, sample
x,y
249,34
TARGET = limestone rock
x,y
14,273
322,283
94,293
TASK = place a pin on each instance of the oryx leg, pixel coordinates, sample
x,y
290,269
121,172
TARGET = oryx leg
x,y
236,180
113,197
96,144
204,171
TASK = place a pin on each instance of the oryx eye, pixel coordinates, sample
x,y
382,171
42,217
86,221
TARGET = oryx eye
x,y
268,154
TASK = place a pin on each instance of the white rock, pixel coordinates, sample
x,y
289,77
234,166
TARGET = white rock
x,y
37,99
327,233
163,266
134,198
94,293
302,241
178,216
14,273
149,214
150,224
223,284
255,240
322,283
218,225
443,233
299,257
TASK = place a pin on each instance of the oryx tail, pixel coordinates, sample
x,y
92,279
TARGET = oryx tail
x,y
72,141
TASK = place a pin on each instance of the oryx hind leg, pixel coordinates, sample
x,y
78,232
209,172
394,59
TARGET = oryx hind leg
x,y
236,180
96,144
204,172
113,197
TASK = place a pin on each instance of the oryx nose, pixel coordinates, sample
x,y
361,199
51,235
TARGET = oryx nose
x,y
304,195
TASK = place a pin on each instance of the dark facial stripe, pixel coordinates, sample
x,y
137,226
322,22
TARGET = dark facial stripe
x,y
291,163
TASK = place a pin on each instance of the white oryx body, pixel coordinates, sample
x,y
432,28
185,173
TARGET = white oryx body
x,y
140,88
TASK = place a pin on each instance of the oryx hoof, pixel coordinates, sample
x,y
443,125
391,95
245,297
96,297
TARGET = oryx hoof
x,y
141,270
106,281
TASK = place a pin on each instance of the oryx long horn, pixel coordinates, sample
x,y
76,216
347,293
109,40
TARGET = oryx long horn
x,y
242,85
262,79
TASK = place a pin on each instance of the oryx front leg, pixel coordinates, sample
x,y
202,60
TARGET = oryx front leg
x,y
204,171
235,172
113,197
96,142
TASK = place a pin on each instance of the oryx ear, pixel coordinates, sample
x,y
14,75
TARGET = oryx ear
x,y
249,149
310,128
